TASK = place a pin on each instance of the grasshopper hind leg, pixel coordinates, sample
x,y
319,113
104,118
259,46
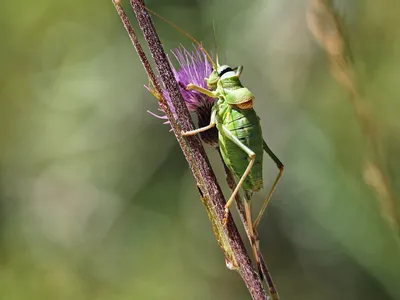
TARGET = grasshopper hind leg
x,y
280,167
252,157
255,245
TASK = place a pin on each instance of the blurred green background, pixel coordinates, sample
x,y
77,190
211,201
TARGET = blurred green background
x,y
97,201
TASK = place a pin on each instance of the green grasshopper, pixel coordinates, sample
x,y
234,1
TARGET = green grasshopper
x,y
239,136
240,139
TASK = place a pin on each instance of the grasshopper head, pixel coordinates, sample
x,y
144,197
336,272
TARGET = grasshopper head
x,y
224,71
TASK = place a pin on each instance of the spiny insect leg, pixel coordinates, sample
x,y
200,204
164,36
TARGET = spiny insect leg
x,y
238,186
252,232
204,91
201,129
280,166
252,157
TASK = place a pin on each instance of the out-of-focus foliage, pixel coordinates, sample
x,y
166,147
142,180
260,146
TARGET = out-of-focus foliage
x,y
97,201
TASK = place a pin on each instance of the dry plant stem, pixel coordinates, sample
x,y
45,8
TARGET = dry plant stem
x,y
324,23
194,152
239,204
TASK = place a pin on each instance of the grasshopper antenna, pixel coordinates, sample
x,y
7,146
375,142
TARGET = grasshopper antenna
x,y
215,43
183,32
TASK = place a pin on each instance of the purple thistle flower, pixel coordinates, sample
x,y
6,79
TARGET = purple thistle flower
x,y
193,68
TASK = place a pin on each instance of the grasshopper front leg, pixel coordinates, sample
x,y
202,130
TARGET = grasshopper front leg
x,y
213,113
205,128
204,91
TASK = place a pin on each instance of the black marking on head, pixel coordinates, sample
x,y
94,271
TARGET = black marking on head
x,y
226,70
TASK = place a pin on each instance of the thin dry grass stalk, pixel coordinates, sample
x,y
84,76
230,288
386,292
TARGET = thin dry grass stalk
x,y
324,23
